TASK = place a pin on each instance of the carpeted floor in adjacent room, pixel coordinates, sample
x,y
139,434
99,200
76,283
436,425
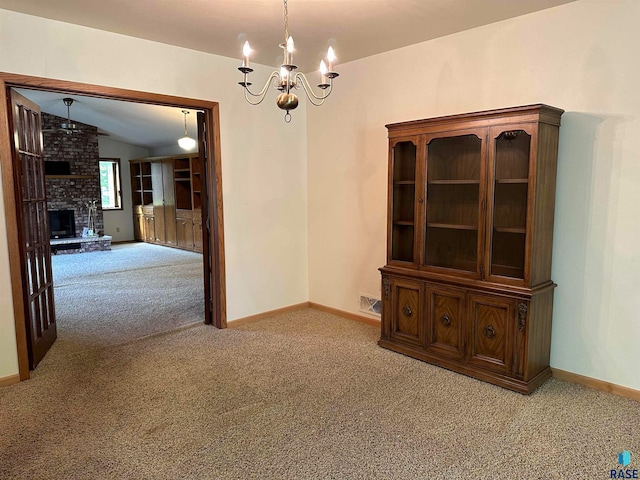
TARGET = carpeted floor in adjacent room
x,y
135,290
302,395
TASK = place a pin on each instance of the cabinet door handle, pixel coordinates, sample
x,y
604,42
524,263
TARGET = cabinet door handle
x,y
421,200
406,311
489,332
446,321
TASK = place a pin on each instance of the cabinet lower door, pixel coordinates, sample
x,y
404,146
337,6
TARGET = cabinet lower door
x,y
138,228
445,326
407,312
491,342
184,233
197,235
149,229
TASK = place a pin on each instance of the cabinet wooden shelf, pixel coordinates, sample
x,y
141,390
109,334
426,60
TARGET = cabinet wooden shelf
x,y
453,182
452,226
523,181
467,284
518,230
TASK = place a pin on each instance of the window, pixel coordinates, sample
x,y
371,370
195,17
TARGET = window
x,y
110,182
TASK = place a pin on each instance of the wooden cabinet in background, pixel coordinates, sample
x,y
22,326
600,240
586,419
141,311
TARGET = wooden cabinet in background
x,y
164,202
141,195
184,229
138,224
150,235
197,230
467,284
168,190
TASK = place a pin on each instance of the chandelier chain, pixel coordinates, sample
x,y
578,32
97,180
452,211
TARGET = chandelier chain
x,y
286,22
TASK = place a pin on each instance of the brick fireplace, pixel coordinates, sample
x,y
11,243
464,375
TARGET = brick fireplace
x,y
72,180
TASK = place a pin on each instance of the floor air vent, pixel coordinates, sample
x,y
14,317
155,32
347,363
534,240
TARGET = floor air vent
x,y
370,305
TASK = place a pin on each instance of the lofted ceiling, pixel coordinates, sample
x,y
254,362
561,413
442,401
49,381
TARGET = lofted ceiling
x,y
149,126
355,28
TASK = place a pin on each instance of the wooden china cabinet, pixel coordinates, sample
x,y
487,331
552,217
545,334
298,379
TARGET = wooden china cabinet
x,y
467,284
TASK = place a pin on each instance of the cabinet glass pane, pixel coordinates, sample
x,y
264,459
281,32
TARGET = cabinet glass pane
x,y
451,248
511,188
453,202
403,201
404,162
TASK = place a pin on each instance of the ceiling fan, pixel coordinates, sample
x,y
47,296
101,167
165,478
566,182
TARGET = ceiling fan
x,y
68,127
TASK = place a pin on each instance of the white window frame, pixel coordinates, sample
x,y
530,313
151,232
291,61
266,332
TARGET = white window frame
x,y
115,184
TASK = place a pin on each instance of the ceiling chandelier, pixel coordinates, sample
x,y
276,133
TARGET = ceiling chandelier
x,y
285,78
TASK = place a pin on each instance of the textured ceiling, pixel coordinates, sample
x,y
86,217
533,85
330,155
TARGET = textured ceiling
x,y
150,126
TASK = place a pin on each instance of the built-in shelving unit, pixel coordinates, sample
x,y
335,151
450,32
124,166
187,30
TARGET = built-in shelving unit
x,y
141,184
167,201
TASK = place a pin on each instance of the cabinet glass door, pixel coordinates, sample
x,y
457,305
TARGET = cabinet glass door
x,y
510,190
402,202
454,175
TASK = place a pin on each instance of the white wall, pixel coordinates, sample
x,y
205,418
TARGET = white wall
x,y
582,57
170,150
119,223
263,159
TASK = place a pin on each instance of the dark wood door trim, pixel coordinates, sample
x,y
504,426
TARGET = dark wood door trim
x,y
216,219
11,189
211,222
11,203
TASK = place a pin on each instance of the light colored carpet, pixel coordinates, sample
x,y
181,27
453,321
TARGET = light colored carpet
x,y
304,395
121,258
135,290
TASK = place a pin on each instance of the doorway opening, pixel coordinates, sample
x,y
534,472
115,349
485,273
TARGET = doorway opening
x,y
12,157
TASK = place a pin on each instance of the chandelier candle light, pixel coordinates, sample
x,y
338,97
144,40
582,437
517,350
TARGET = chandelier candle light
x,y
285,79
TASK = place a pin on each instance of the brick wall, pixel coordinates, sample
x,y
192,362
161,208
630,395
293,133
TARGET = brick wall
x,y
80,149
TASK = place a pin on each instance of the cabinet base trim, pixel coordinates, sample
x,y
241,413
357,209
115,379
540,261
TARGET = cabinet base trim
x,y
504,381
596,384
10,380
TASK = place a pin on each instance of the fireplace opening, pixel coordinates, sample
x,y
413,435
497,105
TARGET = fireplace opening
x,y
62,224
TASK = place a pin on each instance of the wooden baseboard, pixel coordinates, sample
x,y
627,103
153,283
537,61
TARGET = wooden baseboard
x,y
270,313
597,384
300,306
342,313
10,380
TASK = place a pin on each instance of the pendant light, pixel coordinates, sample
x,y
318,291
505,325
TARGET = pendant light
x,y
186,142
